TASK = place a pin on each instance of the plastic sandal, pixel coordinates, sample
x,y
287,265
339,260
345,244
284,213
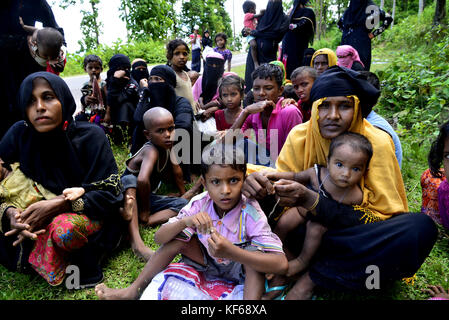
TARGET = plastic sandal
x,y
277,288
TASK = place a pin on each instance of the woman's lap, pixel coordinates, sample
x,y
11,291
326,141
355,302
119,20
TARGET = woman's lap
x,y
397,247
49,255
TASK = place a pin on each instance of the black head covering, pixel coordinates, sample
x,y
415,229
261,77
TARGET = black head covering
x,y
213,71
356,14
166,73
139,74
47,158
117,62
339,81
67,156
206,41
308,54
274,23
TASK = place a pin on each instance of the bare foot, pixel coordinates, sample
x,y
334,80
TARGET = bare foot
x,y
302,290
196,189
296,266
105,293
143,252
129,207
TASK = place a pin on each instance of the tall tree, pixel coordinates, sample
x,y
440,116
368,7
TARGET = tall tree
x,y
440,12
208,14
148,18
90,26
421,7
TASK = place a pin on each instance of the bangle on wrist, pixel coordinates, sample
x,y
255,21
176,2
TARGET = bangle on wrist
x,y
77,205
315,203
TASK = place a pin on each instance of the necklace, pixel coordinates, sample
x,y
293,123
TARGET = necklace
x,y
167,155
322,190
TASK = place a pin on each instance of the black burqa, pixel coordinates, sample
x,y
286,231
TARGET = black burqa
x,y
213,72
139,74
16,62
73,154
270,30
297,40
353,23
122,96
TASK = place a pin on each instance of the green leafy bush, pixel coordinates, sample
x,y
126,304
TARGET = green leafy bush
x,y
152,51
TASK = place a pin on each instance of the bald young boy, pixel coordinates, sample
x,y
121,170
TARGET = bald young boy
x,y
144,172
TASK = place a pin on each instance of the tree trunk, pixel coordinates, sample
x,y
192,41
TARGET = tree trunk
x,y
382,4
421,7
393,13
440,12
95,26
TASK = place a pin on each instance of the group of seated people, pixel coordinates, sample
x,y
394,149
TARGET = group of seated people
x,y
299,186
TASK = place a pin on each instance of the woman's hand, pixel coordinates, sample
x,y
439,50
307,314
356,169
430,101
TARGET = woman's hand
x,y
275,175
18,228
39,214
293,194
144,83
200,221
257,185
120,74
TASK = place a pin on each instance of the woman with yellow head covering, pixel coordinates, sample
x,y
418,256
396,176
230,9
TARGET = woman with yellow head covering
x,y
397,243
323,59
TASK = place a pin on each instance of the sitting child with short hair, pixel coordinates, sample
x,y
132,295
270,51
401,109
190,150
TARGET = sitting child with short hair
x,y
143,175
220,232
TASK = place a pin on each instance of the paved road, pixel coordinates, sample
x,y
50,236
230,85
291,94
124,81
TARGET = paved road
x,y
75,82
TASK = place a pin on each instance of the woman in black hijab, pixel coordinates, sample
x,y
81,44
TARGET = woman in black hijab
x,y
139,70
300,34
270,30
123,94
57,152
358,27
160,92
16,62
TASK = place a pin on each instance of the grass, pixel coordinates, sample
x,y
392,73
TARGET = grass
x,y
123,266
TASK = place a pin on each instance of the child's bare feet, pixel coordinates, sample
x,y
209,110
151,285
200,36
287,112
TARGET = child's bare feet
x,y
129,207
196,189
296,266
105,293
142,251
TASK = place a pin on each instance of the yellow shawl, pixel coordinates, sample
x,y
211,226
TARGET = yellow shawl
x,y
331,56
383,187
